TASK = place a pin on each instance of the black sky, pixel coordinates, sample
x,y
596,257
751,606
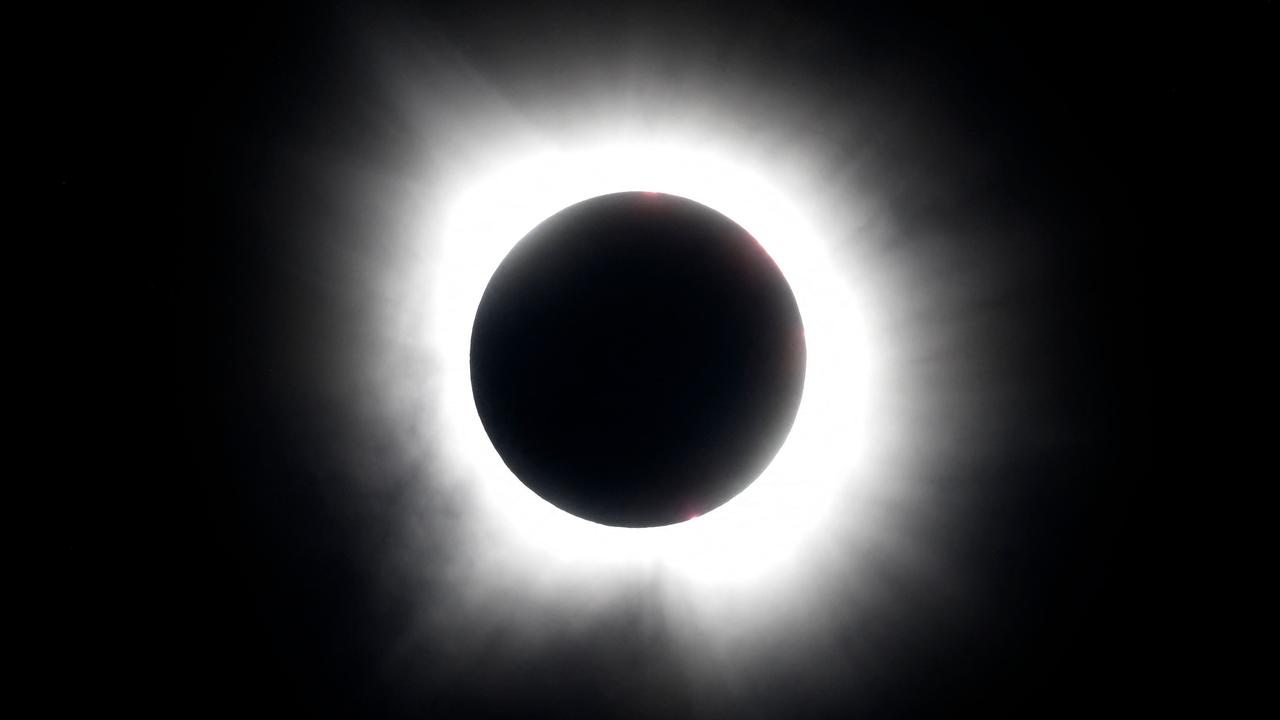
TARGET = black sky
x,y
220,560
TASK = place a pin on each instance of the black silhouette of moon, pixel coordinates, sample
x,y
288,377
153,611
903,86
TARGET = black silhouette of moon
x,y
637,359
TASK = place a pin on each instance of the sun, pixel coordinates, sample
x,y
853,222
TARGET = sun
x,y
773,518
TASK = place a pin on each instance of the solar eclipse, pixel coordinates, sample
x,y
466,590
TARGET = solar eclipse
x,y
462,464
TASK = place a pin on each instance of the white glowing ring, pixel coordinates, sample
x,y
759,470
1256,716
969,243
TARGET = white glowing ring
x,y
763,525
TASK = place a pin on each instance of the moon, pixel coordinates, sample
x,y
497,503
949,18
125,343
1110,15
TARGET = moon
x,y
637,359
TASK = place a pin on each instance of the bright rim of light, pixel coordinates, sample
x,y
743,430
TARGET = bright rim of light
x,y
776,516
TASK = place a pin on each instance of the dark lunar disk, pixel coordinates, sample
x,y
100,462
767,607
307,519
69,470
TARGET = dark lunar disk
x,y
637,359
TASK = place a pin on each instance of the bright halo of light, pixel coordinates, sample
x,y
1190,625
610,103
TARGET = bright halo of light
x,y
769,522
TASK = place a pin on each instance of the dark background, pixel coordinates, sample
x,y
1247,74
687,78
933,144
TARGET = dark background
x,y
203,566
